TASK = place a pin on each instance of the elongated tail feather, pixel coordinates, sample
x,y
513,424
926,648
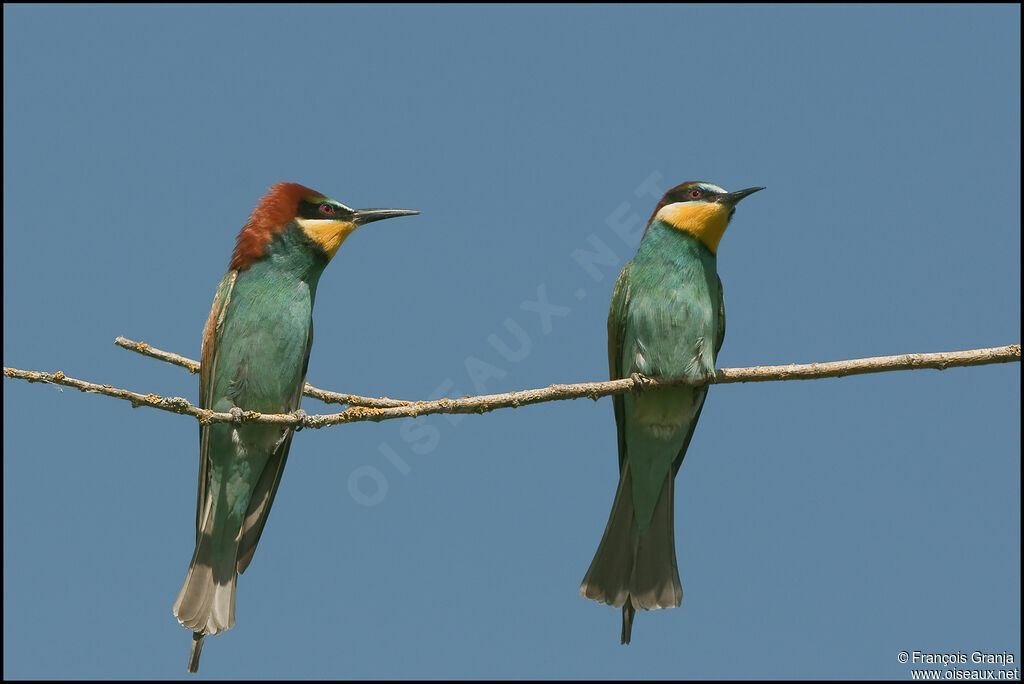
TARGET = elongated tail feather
x,y
195,651
635,571
628,611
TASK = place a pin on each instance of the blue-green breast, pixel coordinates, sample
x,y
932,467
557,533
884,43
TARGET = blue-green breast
x,y
672,320
265,339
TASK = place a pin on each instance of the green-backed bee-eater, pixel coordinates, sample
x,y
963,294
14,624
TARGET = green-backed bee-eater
x,y
667,319
255,352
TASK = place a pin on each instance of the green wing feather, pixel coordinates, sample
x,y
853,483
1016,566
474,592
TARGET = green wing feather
x,y
616,335
207,366
720,337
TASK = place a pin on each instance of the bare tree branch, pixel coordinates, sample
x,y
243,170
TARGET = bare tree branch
x,y
153,352
173,404
325,396
592,390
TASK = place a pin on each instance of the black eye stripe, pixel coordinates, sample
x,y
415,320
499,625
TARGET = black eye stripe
x,y
312,210
683,194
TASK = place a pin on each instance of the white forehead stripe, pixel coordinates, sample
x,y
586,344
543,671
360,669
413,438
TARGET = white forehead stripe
x,y
711,188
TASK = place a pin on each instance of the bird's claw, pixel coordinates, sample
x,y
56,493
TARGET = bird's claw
x,y
302,417
236,415
641,383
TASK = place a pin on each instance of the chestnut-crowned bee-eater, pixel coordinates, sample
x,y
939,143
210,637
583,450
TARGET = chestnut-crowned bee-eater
x,y
256,347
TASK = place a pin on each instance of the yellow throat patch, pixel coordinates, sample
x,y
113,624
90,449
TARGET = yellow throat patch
x,y
703,220
328,233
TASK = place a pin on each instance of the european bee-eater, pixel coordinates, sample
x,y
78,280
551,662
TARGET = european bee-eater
x,y
255,352
667,319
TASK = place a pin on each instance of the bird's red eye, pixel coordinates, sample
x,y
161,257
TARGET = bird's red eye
x,y
695,194
326,209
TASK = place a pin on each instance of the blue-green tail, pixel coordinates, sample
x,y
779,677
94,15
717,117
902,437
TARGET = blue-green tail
x,y
635,571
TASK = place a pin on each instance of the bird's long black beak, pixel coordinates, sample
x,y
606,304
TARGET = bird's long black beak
x,y
363,216
734,197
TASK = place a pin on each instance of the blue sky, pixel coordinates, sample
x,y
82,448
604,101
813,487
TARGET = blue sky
x,y
821,527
